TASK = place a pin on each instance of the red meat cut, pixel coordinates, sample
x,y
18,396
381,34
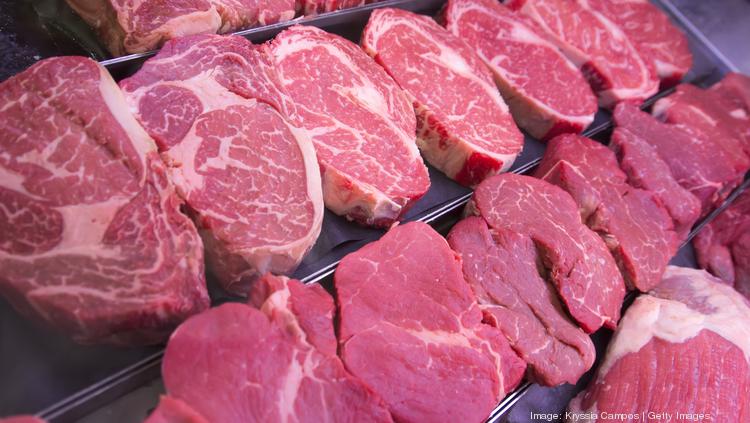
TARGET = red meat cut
x,y
463,125
92,240
546,93
249,177
501,268
646,170
734,88
633,224
411,329
681,349
313,7
654,36
360,121
698,164
578,262
704,114
126,26
605,55
723,246
172,410
234,363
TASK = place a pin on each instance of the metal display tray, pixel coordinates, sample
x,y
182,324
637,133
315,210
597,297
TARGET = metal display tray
x,y
47,374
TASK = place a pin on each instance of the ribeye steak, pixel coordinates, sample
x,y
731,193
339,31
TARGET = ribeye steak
x,y
92,239
546,93
361,123
250,178
135,26
464,127
653,35
606,56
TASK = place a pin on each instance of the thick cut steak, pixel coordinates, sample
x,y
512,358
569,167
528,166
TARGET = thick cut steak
x,y
502,269
646,170
361,123
411,329
92,240
313,7
709,114
135,26
546,93
681,349
608,59
172,410
723,246
654,36
577,260
235,363
221,119
735,90
464,127
698,164
633,224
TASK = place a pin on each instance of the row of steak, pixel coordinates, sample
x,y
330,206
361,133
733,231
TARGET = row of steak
x,y
126,26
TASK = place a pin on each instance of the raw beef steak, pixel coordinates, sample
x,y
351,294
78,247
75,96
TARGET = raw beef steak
x,y
313,7
546,93
579,265
411,329
633,224
361,123
502,269
697,164
220,117
735,90
92,240
681,349
463,125
654,36
605,55
265,365
172,410
723,246
135,26
709,114
646,170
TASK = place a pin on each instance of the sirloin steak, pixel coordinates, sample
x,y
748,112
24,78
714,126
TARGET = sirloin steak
x,y
463,125
411,329
578,262
235,364
683,348
360,121
633,224
502,268
646,170
653,35
603,52
136,26
546,93
92,240
216,109
723,246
